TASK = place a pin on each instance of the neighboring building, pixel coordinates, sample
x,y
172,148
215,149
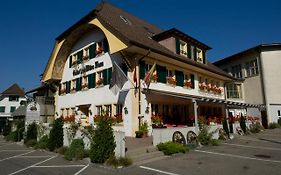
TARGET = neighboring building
x,y
260,68
10,100
81,64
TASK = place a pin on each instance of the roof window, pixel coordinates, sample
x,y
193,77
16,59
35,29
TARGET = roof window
x,y
126,20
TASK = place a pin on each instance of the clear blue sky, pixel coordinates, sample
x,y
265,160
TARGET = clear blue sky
x,y
29,28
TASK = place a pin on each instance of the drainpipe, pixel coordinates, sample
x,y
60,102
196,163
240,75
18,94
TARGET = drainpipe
x,y
262,78
195,107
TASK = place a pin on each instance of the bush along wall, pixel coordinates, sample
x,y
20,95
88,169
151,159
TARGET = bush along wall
x,y
103,143
56,135
31,134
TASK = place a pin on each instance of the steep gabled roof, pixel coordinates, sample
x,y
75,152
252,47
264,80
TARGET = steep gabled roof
x,y
13,90
134,31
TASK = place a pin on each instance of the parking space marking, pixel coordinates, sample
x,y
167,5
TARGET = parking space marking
x,y
17,150
16,156
58,166
257,147
156,170
28,157
237,156
38,163
80,171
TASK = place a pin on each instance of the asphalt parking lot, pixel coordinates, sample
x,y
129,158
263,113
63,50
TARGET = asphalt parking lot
x,y
252,154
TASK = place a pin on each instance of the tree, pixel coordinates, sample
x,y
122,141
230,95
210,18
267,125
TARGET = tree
x,y
56,135
103,143
31,133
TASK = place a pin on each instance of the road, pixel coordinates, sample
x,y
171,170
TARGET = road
x,y
251,154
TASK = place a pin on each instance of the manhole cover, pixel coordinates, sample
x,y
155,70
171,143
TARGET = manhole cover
x,y
262,156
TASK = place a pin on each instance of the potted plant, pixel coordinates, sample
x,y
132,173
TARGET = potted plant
x,y
143,130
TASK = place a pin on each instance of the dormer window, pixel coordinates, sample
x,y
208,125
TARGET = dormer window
x,y
183,48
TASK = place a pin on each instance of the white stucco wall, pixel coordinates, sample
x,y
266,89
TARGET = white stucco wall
x,y
8,104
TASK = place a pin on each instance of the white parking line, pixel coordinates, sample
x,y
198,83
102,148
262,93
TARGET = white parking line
x,y
257,147
156,170
80,171
32,165
237,156
11,150
33,157
16,156
58,166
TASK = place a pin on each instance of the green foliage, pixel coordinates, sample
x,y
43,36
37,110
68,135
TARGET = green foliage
x,y
42,143
56,135
214,142
144,127
12,136
31,133
30,142
117,162
243,124
255,127
76,150
169,148
204,136
7,128
103,143
61,150
225,126
279,121
273,125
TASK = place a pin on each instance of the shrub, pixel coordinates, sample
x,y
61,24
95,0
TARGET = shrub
x,y
86,153
31,133
103,143
255,127
225,126
76,150
214,142
243,124
169,148
116,162
204,136
7,128
56,135
61,150
31,143
12,136
42,143
279,121
273,125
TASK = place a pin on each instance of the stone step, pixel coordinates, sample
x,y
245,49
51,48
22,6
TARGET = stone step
x,y
142,150
139,157
141,162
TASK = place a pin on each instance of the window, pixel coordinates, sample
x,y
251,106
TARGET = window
x,y
170,73
13,98
108,110
183,48
236,71
252,68
234,91
119,108
99,110
12,109
99,78
2,109
279,113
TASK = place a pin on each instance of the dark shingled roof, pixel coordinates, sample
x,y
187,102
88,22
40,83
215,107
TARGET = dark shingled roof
x,y
14,90
20,111
134,31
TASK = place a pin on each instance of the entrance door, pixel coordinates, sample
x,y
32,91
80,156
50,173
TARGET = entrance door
x,y
264,119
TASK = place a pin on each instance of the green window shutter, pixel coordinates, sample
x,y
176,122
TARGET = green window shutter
x,y
204,56
92,53
195,53
80,56
189,51
91,81
60,89
70,61
142,70
109,71
179,78
78,84
192,80
12,108
105,45
162,73
105,77
2,108
68,83
177,46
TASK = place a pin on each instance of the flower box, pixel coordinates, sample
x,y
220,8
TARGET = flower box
x,y
84,85
188,84
99,82
171,80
